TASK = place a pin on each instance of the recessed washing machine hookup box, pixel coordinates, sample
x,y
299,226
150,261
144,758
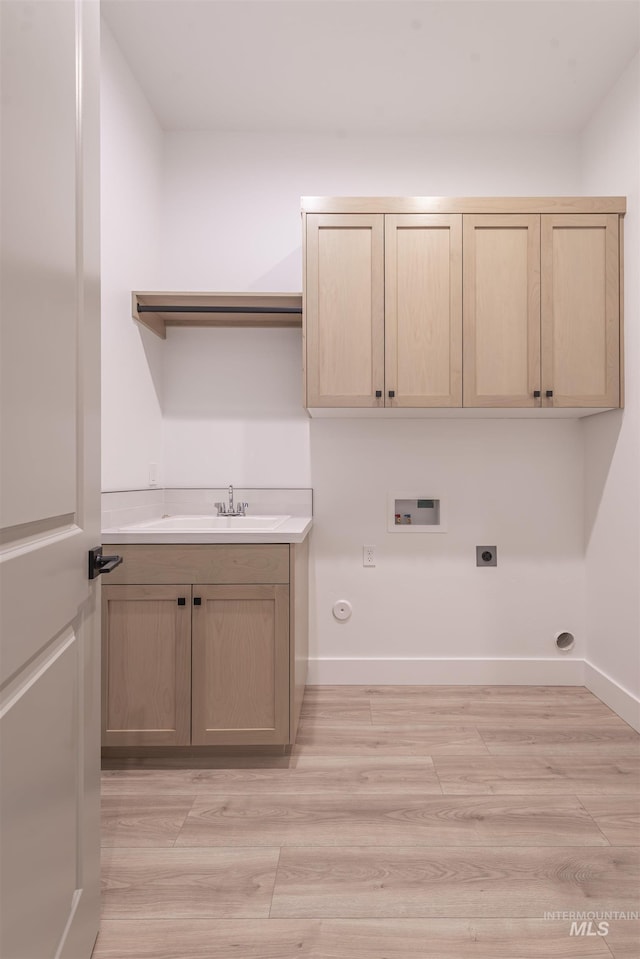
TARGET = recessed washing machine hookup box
x,y
415,513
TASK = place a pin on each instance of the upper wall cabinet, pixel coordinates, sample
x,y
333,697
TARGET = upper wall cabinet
x,y
580,285
384,310
502,310
428,302
423,309
541,310
345,310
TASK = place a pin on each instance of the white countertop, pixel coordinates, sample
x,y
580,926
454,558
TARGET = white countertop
x,y
294,529
179,515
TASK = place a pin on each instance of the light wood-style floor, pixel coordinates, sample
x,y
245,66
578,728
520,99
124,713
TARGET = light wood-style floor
x,y
409,823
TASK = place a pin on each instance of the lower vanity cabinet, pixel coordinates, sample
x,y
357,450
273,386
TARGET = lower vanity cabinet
x,y
146,665
240,662
204,663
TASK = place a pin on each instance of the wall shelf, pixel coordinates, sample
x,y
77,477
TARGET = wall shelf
x,y
157,311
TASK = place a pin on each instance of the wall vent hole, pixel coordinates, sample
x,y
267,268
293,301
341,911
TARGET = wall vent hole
x,y
565,641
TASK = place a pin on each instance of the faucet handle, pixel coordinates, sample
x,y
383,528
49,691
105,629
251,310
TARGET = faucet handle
x,y
242,508
221,508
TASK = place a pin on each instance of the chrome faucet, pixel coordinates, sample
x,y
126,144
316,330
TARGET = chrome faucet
x,y
231,510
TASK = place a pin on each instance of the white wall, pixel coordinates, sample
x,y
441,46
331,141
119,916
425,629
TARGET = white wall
x,y
131,160
232,409
611,165
507,483
232,201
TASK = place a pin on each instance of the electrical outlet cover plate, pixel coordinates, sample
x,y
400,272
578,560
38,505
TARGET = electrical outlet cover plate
x,y
486,555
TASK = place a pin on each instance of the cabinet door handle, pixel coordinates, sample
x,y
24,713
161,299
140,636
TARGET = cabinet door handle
x,y
378,394
197,601
182,601
536,392
392,393
548,393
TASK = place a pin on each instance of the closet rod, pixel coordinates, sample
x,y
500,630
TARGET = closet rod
x,y
142,308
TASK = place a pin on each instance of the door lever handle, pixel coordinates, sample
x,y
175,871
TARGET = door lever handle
x,y
98,563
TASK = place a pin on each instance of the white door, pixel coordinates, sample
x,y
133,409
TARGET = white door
x,y
49,474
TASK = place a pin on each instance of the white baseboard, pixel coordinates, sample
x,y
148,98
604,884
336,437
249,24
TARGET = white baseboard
x,y
624,703
446,672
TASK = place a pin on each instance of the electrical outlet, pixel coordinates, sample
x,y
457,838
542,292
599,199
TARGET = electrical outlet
x,y
486,555
368,556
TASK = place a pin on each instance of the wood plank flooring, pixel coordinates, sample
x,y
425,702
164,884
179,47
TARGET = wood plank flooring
x,y
409,822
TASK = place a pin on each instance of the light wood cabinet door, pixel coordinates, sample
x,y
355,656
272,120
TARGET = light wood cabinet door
x,y
501,325
240,655
344,310
146,671
423,310
580,310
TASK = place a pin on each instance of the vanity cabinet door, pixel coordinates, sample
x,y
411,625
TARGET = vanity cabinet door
x,y
240,655
146,668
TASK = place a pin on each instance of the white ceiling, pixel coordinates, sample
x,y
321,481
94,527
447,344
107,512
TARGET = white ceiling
x,y
375,66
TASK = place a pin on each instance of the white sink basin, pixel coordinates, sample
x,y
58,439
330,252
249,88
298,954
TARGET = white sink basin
x,y
185,524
